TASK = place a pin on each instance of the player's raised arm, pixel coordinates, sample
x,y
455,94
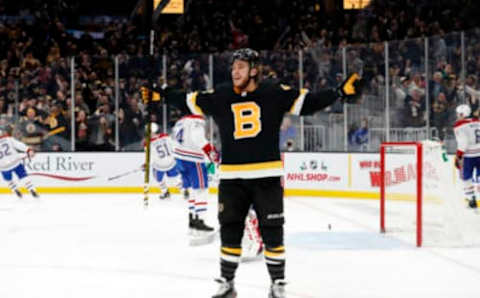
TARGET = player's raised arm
x,y
304,102
197,102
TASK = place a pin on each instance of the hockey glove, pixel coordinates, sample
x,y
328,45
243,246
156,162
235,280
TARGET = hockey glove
x,y
459,159
156,95
211,153
351,89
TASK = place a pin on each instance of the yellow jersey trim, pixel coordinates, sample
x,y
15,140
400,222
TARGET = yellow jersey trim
x,y
232,251
273,254
298,103
252,166
56,131
192,103
276,249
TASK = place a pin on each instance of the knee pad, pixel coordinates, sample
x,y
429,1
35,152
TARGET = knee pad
x,y
272,235
231,234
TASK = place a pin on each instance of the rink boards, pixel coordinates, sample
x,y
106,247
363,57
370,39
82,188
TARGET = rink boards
x,y
305,174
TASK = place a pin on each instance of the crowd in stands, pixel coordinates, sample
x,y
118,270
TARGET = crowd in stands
x,y
39,39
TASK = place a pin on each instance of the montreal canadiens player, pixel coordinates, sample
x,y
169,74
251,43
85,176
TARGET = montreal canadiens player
x,y
467,159
12,155
191,148
164,164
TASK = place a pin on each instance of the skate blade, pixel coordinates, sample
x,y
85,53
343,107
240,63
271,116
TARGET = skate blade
x,y
202,239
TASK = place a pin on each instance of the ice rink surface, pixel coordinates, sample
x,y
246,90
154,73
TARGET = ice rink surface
x,y
109,246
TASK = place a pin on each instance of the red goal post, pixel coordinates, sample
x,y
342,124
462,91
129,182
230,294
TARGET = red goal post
x,y
418,147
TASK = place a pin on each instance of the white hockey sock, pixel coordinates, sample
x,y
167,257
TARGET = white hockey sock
x,y
191,202
28,184
163,187
12,185
178,182
469,190
200,202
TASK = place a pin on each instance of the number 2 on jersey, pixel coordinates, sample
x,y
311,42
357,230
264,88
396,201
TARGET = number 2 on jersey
x,y
4,150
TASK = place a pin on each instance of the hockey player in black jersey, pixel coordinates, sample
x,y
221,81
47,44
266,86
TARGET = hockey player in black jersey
x,y
249,114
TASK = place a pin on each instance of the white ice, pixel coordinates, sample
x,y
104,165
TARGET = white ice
x,y
109,246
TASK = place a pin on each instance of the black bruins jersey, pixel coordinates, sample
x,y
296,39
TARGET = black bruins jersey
x,y
249,123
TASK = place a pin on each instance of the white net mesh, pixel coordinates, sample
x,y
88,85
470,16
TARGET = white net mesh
x,y
445,220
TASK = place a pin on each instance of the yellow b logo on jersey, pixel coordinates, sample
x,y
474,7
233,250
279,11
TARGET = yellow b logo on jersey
x,y
247,120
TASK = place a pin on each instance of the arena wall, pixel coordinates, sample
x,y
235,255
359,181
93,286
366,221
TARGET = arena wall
x,y
346,175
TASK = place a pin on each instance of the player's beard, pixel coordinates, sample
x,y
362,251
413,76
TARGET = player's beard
x,y
243,84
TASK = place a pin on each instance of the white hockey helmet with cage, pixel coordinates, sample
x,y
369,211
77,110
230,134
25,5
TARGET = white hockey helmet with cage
x,y
463,111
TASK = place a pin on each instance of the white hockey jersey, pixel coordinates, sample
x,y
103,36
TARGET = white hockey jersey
x,y
467,134
11,152
162,155
189,134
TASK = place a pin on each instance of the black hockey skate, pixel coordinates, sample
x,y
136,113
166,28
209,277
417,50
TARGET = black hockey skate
x,y
191,221
18,193
277,290
200,225
200,233
186,194
226,290
473,203
164,196
34,194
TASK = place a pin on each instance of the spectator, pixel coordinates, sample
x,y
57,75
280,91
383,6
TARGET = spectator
x,y
437,84
358,136
472,94
100,134
414,113
82,131
57,127
440,115
131,125
31,128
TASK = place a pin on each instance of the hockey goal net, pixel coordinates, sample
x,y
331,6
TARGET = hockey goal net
x,y
420,199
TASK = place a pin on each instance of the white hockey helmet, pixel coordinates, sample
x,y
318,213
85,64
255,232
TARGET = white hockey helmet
x,y
463,111
155,128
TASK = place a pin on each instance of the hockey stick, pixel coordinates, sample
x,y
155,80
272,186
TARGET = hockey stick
x,y
124,174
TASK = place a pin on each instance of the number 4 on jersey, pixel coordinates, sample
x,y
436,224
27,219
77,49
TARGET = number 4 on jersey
x,y
179,136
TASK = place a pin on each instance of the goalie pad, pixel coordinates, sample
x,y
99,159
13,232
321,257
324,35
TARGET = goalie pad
x,y
252,243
